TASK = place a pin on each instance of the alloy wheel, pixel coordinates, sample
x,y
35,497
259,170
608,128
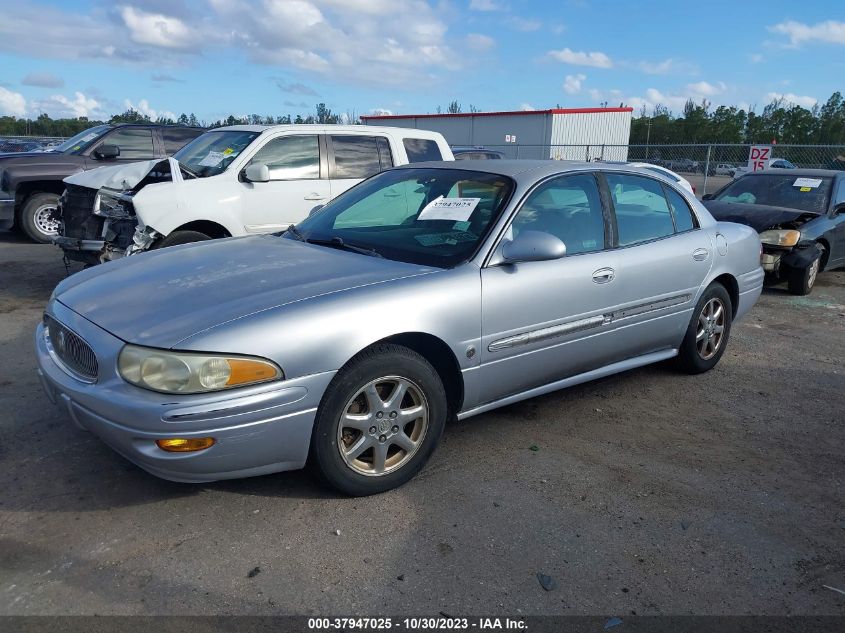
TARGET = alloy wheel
x,y
813,273
711,328
45,221
382,426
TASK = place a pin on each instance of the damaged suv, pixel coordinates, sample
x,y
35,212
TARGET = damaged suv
x,y
237,180
799,215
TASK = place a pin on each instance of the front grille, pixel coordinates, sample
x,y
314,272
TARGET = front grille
x,y
74,354
76,212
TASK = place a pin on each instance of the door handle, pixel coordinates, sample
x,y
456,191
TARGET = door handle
x,y
603,275
700,254
314,196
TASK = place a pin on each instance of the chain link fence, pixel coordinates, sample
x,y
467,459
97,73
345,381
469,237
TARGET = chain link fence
x,y
28,143
708,166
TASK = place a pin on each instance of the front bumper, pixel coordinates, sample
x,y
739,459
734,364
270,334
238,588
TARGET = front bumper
x,y
7,213
778,263
258,430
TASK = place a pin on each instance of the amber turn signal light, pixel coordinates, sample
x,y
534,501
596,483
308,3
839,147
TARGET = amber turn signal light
x,y
185,444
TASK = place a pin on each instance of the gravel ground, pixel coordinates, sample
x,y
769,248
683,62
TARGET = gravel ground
x,y
648,492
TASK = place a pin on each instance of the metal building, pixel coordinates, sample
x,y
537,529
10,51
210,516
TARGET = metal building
x,y
560,133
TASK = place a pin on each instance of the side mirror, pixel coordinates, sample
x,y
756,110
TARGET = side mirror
x,y
839,209
107,152
533,246
707,196
257,173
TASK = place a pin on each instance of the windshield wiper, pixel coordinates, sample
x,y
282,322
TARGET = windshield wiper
x,y
337,242
295,232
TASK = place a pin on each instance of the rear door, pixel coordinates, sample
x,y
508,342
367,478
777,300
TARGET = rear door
x,y
354,157
298,183
661,258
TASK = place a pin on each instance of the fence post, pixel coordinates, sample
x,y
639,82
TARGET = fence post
x,y
602,151
706,170
517,150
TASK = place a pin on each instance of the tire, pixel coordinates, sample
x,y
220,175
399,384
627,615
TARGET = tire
x,y
182,237
371,451
36,219
801,280
708,332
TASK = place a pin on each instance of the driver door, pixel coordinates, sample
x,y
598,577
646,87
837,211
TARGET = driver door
x,y
543,321
298,183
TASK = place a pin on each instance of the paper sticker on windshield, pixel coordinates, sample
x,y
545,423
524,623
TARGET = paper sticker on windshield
x,y
812,183
88,137
457,209
228,151
212,159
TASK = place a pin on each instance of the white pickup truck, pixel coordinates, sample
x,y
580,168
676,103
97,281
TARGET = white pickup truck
x,y
230,181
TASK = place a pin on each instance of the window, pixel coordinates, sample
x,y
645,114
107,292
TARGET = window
x,y
175,138
420,149
570,209
355,156
384,153
134,142
213,152
290,158
684,220
642,213
779,190
840,192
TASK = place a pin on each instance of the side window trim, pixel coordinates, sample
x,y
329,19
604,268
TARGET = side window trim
x,y
695,223
615,225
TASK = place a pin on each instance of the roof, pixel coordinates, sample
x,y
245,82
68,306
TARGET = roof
x,y
800,172
523,166
334,127
383,117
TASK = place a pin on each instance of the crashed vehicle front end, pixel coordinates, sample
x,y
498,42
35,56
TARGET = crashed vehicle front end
x,y
99,224
786,249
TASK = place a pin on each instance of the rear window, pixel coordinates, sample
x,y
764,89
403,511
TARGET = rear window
x,y
175,138
421,149
355,156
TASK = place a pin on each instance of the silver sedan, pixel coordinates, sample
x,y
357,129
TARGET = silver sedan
x,y
428,292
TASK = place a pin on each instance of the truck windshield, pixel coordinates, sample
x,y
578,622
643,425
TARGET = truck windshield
x,y
213,152
82,140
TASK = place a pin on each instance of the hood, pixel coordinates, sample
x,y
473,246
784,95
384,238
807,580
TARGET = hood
x,y
39,158
119,177
759,217
162,297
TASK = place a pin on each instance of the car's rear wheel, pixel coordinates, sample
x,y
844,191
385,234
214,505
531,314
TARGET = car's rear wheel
x,y
182,237
380,420
37,218
801,280
708,331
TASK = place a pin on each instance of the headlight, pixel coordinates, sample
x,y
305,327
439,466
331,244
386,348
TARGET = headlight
x,y
186,372
780,238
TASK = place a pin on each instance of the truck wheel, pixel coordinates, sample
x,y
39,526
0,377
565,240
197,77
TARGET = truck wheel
x,y
182,237
37,219
802,280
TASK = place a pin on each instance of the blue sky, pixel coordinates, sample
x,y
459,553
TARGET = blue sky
x,y
216,57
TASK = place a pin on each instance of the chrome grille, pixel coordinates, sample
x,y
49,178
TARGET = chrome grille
x,y
72,353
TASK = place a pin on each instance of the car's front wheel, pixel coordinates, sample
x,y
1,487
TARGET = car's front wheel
x,y
801,280
379,421
182,237
38,219
708,331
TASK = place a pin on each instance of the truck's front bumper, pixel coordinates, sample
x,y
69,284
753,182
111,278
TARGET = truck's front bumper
x,y
257,430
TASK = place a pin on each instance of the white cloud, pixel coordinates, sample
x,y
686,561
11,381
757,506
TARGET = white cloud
x,y
803,101
43,80
381,112
756,58
581,58
524,24
59,106
486,5
526,107
157,29
658,68
479,42
143,107
12,103
829,32
572,83
704,89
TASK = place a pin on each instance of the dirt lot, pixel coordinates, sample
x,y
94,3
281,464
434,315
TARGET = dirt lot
x,y
649,492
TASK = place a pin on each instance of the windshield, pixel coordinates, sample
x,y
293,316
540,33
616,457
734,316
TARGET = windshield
x,y
434,217
82,140
794,192
212,153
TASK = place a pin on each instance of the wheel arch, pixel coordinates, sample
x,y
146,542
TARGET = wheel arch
x,y
730,284
208,227
826,256
441,357
28,188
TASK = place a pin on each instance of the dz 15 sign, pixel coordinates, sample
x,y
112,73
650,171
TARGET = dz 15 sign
x,y
759,157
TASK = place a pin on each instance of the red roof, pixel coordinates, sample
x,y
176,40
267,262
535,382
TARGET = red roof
x,y
509,113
